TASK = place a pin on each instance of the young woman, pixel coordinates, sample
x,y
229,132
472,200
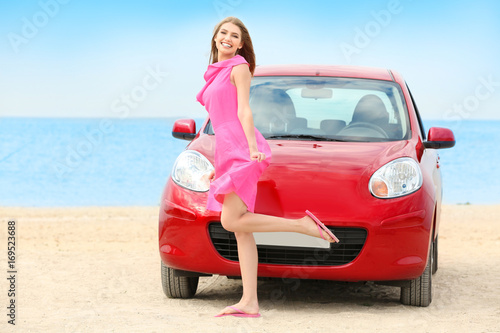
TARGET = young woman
x,y
241,155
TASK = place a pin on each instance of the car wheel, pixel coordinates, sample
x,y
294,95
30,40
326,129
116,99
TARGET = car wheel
x,y
419,292
177,286
435,256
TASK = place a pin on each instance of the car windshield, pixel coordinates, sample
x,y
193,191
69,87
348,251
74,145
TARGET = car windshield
x,y
328,109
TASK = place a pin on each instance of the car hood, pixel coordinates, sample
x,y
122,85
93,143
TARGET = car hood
x,y
322,176
316,175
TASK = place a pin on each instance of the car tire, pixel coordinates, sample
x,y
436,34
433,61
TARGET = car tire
x,y
177,286
435,256
419,292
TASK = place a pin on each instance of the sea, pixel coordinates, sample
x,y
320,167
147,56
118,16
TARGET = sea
x,y
66,162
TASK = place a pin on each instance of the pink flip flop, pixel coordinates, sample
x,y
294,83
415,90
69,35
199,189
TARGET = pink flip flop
x,y
322,226
239,313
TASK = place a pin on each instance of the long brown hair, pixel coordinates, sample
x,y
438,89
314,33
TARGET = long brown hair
x,y
246,51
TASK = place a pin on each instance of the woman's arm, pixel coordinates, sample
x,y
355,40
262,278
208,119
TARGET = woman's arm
x,y
241,77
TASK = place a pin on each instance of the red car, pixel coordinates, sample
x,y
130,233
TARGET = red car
x,y
349,145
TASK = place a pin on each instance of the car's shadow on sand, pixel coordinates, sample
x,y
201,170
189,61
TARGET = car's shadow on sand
x,y
282,292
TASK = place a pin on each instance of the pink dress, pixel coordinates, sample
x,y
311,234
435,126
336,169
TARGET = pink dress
x,y
234,170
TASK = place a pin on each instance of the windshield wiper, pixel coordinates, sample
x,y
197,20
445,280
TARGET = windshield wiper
x,y
303,136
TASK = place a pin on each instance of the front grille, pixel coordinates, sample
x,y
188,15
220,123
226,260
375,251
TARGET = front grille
x,y
351,243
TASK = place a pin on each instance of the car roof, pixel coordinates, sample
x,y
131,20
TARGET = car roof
x,y
325,70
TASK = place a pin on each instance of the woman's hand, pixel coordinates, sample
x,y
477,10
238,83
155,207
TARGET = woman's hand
x,y
257,156
211,176
208,177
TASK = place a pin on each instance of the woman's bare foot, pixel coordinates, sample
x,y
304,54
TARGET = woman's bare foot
x,y
245,308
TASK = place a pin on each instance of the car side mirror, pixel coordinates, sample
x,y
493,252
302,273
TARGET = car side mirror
x,y
439,138
184,129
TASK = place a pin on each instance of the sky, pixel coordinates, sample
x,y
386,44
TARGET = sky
x,y
106,59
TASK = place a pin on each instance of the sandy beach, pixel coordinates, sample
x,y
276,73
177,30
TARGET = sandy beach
x,y
97,269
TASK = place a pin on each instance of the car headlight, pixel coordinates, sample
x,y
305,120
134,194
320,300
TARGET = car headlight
x,y
395,179
191,171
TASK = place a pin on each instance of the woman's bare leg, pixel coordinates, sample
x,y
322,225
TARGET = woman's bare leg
x,y
235,217
248,257
232,208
